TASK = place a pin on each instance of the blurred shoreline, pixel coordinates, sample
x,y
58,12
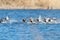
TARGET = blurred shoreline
x,y
29,4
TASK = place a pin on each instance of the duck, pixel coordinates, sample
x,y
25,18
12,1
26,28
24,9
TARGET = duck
x,y
24,20
1,20
7,18
39,19
32,20
49,20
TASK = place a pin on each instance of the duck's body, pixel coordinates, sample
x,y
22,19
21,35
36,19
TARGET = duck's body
x,y
7,18
32,20
50,20
23,20
39,19
1,20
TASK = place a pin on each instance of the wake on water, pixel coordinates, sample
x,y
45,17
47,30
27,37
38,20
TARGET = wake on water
x,y
40,21
15,21
10,21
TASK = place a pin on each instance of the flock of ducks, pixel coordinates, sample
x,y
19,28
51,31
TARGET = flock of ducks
x,y
31,20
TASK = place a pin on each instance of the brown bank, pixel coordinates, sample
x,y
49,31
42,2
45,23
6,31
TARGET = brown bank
x,y
29,4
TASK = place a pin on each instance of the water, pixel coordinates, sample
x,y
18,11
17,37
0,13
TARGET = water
x,y
26,31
